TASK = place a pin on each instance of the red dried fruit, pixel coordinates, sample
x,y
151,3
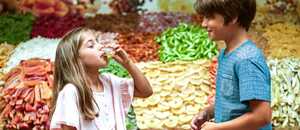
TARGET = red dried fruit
x,y
51,26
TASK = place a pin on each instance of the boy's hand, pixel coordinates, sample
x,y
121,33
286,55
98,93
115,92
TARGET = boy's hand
x,y
199,120
209,126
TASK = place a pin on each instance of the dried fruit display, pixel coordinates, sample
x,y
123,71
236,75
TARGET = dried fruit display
x,y
114,22
15,28
176,5
35,48
1,77
85,7
282,6
186,42
140,46
27,93
126,6
181,90
285,92
52,26
264,17
5,52
45,7
159,22
283,39
213,78
115,68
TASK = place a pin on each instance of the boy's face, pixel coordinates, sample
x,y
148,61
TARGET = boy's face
x,y
215,25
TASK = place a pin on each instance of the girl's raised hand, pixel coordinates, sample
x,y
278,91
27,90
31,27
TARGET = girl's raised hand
x,y
121,56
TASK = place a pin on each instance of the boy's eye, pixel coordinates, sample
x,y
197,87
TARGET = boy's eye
x,y
209,16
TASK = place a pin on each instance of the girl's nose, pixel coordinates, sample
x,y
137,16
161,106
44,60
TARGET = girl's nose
x,y
100,46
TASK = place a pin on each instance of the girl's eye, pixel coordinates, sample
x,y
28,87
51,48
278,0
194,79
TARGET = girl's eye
x,y
91,46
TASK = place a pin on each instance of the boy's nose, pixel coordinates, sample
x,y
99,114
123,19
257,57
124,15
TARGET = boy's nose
x,y
204,23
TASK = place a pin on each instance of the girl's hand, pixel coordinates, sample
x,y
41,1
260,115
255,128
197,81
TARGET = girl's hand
x,y
209,126
121,57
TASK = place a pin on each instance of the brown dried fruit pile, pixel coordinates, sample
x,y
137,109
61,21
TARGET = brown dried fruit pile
x,y
114,22
140,46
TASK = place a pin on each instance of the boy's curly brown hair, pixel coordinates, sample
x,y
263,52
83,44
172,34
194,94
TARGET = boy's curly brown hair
x,y
243,10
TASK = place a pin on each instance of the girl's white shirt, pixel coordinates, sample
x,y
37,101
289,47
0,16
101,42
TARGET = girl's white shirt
x,y
113,102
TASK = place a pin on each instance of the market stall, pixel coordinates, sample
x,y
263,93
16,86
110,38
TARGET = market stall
x,y
165,40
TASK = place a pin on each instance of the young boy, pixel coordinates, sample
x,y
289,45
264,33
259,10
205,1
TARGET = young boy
x,y
243,92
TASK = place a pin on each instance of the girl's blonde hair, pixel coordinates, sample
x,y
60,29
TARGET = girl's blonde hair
x,y
70,69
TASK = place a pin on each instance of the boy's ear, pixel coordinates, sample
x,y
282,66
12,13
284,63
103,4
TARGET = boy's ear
x,y
234,21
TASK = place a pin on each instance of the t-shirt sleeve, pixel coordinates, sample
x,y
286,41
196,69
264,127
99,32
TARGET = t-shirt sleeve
x,y
66,110
126,89
254,80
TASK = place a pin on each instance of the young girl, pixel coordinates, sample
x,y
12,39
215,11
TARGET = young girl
x,y
85,100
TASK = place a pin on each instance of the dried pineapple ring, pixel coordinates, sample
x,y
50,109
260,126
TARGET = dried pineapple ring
x,y
139,118
200,100
163,107
147,116
176,103
185,118
153,100
184,95
137,102
189,90
156,89
161,115
181,83
186,127
199,106
177,111
141,124
205,88
196,82
138,110
152,74
144,103
167,88
190,98
200,94
165,93
191,110
171,122
174,95
154,124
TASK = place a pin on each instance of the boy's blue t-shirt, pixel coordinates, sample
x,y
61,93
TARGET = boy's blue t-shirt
x,y
243,75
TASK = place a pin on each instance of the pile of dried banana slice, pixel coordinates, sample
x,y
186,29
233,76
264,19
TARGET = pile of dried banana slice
x,y
285,92
181,90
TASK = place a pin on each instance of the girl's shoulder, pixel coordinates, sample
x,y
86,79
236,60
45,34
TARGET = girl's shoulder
x,y
69,89
108,77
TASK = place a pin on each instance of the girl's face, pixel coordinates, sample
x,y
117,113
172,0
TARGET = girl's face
x,y
90,52
215,26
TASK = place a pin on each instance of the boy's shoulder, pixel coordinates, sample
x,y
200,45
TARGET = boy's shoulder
x,y
249,51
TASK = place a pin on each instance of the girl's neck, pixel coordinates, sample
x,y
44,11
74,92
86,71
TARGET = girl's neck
x,y
95,82
236,40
